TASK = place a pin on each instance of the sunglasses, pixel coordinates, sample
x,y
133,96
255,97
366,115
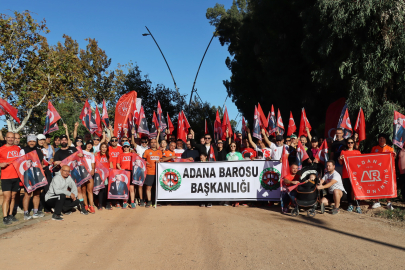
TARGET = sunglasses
x,y
207,138
114,140
126,146
220,143
95,139
124,140
144,142
79,141
350,142
233,146
288,140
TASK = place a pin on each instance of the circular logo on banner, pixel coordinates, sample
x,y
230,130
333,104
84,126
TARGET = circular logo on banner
x,y
170,180
270,179
123,108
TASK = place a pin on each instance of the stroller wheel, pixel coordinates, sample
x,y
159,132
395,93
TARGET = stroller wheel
x,y
294,212
311,213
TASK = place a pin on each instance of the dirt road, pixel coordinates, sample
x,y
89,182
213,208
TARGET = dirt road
x,y
190,237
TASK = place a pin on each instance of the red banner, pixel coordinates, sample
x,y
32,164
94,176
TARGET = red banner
x,y
29,170
372,175
138,170
101,174
123,113
118,184
78,168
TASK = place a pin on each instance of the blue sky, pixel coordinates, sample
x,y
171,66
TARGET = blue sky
x,y
180,28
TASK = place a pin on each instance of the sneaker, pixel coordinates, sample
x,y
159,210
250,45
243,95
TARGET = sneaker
x,y
67,213
6,221
27,216
358,210
117,205
202,205
209,205
236,205
84,211
124,205
133,205
12,218
226,203
108,206
390,207
335,211
86,207
285,210
350,208
376,205
57,217
100,208
142,203
91,210
149,204
38,214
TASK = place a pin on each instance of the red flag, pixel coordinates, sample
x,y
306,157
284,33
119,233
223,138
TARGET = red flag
x,y
186,124
98,119
263,119
30,172
52,117
155,120
226,124
217,127
285,168
323,155
280,124
304,124
161,119
170,124
154,127
105,118
301,154
123,112
244,133
272,122
346,124
181,134
143,124
360,127
372,175
7,108
206,127
291,125
78,168
212,154
332,117
118,184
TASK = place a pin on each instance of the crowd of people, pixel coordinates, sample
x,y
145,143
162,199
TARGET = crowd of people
x,y
61,195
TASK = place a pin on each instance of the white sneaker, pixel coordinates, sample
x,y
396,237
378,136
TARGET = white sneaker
x,y
390,207
376,205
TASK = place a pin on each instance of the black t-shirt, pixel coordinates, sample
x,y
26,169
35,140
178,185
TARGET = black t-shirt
x,y
39,152
191,153
62,154
337,147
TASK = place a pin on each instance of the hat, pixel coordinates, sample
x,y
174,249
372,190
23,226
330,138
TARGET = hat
x,y
314,139
90,142
31,137
293,136
63,137
41,137
126,144
383,135
279,138
79,137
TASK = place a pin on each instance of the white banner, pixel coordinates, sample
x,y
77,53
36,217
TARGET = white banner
x,y
245,180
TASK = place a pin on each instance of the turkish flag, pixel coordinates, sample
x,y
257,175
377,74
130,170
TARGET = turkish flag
x,y
280,125
360,127
161,120
52,117
212,154
301,154
304,124
226,124
105,118
272,122
285,168
170,124
372,175
291,125
206,128
217,127
7,108
186,125
332,117
101,174
118,184
263,119
123,113
323,155
346,125
181,133
78,168
30,172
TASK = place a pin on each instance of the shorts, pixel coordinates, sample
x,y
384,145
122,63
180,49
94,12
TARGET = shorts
x,y
150,180
330,197
12,184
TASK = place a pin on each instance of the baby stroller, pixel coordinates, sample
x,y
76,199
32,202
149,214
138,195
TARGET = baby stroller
x,y
307,194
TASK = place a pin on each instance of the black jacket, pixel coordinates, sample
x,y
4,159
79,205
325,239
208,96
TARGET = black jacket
x,y
202,149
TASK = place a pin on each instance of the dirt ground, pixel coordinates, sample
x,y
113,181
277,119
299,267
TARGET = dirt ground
x,y
190,237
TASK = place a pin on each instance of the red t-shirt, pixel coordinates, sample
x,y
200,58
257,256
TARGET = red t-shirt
x,y
289,177
102,159
114,153
245,151
347,154
125,161
7,155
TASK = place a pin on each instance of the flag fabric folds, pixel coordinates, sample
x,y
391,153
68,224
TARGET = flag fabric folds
x,y
360,127
304,123
256,125
291,125
5,107
51,120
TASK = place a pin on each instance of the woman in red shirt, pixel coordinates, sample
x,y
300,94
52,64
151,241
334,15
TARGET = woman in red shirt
x,y
124,162
103,157
349,151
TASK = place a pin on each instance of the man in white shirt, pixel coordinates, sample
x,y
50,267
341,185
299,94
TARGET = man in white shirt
x,y
140,149
263,152
333,182
179,148
276,148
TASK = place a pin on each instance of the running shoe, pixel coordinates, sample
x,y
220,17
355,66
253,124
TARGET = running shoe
x,y
86,207
376,205
91,210
12,218
27,216
133,205
350,208
335,211
209,205
390,207
6,221
142,203
124,205
236,205
117,205
100,208
285,210
108,206
84,211
149,204
358,210
57,217
39,214
202,205
226,203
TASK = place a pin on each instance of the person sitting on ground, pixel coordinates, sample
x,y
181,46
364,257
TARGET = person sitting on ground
x,y
333,182
58,195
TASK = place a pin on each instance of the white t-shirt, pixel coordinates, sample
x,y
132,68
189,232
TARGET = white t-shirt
x,y
140,150
267,152
334,176
277,151
89,157
178,152
96,148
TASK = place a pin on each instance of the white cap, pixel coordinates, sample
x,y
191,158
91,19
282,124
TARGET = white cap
x,y
41,137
